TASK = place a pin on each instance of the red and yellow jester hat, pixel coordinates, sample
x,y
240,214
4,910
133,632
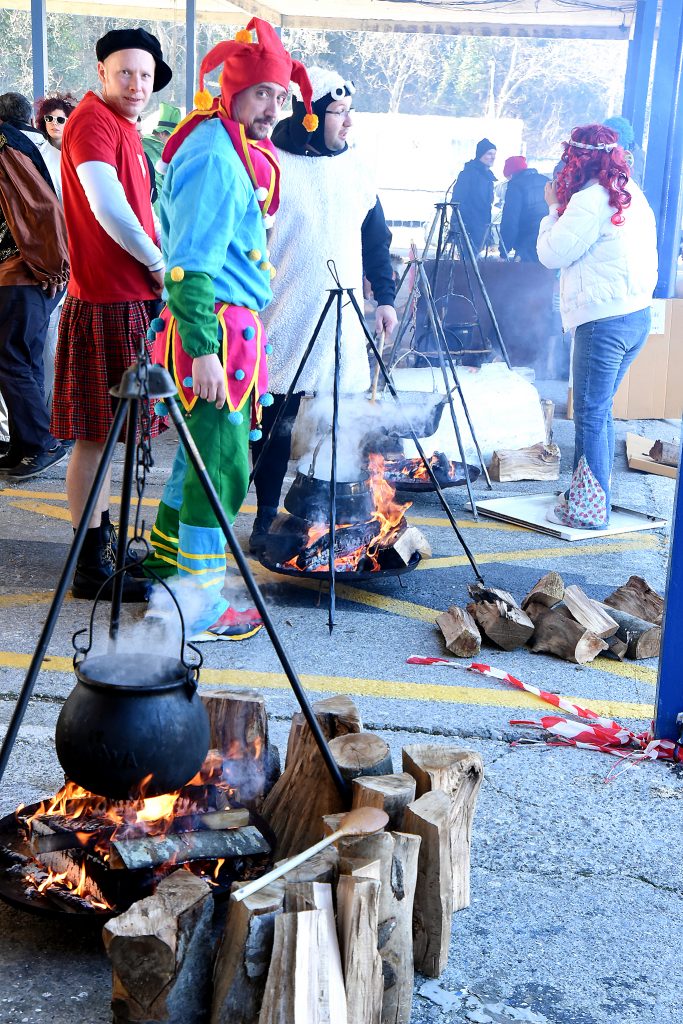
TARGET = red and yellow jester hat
x,y
246,63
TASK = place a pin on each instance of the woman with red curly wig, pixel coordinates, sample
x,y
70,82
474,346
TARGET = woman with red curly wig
x,y
600,233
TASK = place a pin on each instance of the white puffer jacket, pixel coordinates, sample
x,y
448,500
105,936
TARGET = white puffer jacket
x,y
606,269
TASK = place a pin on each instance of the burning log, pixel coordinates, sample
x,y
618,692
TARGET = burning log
x,y
665,453
361,754
158,949
305,791
642,639
350,540
557,632
239,730
390,793
358,929
246,946
459,774
538,462
638,598
460,632
153,851
548,591
397,854
429,818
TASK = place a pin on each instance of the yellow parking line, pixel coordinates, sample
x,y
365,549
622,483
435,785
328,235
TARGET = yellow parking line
x,y
385,689
44,509
568,551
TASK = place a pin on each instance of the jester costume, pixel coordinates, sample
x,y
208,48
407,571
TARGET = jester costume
x,y
220,193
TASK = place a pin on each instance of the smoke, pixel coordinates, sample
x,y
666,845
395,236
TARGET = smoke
x,y
362,426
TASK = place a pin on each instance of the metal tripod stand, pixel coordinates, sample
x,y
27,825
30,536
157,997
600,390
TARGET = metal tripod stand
x,y
335,296
140,384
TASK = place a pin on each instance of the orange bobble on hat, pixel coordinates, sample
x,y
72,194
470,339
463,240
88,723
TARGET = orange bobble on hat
x,y
311,122
243,36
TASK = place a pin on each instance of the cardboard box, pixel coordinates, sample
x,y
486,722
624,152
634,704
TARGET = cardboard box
x,y
637,449
653,387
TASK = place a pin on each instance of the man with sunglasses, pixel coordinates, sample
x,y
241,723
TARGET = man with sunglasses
x,y
329,211
117,274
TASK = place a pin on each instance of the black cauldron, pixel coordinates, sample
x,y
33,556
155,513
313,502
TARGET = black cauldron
x,y
131,717
309,498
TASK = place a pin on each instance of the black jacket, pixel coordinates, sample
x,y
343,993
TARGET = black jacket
x,y
524,209
474,191
375,239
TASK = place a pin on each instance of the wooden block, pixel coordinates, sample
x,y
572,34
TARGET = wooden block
x,y
505,625
642,639
392,793
665,453
429,818
557,632
548,591
460,632
638,598
361,754
358,924
538,462
589,614
302,896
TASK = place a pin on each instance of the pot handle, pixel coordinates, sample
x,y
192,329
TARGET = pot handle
x,y
191,681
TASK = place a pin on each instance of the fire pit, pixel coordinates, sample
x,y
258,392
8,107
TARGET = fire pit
x,y
411,475
366,545
86,854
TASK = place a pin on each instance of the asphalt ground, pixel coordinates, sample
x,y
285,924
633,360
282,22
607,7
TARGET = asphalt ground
x,y
576,882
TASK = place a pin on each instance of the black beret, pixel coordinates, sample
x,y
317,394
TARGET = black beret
x,y
136,39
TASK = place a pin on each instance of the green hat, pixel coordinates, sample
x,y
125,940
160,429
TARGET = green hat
x,y
169,117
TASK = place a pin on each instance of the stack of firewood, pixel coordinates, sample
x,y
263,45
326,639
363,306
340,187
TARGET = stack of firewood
x,y
560,620
337,939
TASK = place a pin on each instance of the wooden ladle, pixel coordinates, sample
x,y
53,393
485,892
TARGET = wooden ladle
x,y
363,821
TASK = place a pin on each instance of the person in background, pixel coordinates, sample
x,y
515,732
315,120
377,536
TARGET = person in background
x,y
524,208
116,280
153,145
153,190
52,113
34,269
633,153
601,234
473,190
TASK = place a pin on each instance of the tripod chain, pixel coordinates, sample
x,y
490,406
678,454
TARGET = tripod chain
x,y
143,452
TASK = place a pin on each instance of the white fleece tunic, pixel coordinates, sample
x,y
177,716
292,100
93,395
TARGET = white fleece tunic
x,y
323,203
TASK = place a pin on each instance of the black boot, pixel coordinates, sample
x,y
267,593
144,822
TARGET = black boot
x,y
262,523
133,567
97,564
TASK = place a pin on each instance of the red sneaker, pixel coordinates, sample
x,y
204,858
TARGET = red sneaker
x,y
232,625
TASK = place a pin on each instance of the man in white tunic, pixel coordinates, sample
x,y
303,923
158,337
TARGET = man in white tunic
x,y
329,210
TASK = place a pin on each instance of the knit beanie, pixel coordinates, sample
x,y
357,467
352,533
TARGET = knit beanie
x,y
483,146
513,165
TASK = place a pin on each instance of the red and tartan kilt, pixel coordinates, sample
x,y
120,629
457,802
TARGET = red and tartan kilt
x,y
97,343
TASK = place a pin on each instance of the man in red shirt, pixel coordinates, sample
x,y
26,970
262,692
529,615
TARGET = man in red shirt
x,y
116,280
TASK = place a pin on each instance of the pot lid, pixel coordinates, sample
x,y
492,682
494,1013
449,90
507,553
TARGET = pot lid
x,y
135,671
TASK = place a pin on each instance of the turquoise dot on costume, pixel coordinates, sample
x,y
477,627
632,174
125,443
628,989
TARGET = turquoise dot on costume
x,y
187,382
240,374
160,409
248,333
151,335
268,349
266,399
255,435
157,324
236,417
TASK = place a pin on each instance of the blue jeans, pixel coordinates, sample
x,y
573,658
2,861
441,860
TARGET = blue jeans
x,y
603,352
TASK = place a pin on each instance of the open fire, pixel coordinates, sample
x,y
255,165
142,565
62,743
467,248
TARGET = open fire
x,y
82,852
412,475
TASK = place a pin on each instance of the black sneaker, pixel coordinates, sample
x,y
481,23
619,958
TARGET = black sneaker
x,y
9,460
33,465
262,524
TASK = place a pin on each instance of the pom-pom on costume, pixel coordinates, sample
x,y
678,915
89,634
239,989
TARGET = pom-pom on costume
x,y
220,194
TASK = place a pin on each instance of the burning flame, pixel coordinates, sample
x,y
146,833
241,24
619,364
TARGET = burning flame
x,y
415,469
388,514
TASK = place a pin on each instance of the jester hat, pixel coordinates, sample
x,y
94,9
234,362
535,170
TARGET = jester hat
x,y
247,63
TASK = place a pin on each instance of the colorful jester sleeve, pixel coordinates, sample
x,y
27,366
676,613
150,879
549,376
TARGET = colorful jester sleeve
x,y
192,302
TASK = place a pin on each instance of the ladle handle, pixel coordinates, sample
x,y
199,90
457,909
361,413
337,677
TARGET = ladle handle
x,y
260,883
382,339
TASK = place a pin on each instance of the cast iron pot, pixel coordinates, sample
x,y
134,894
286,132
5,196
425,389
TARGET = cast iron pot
x,y
130,717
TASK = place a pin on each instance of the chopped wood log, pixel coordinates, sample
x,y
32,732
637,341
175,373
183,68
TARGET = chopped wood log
x,y
298,986
239,730
391,793
505,625
588,613
665,453
301,896
642,639
305,791
537,462
557,632
429,818
616,648
397,853
548,591
278,997
409,542
357,924
151,851
356,867
638,598
548,408
459,774
460,632
480,592
244,956
158,950
362,753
